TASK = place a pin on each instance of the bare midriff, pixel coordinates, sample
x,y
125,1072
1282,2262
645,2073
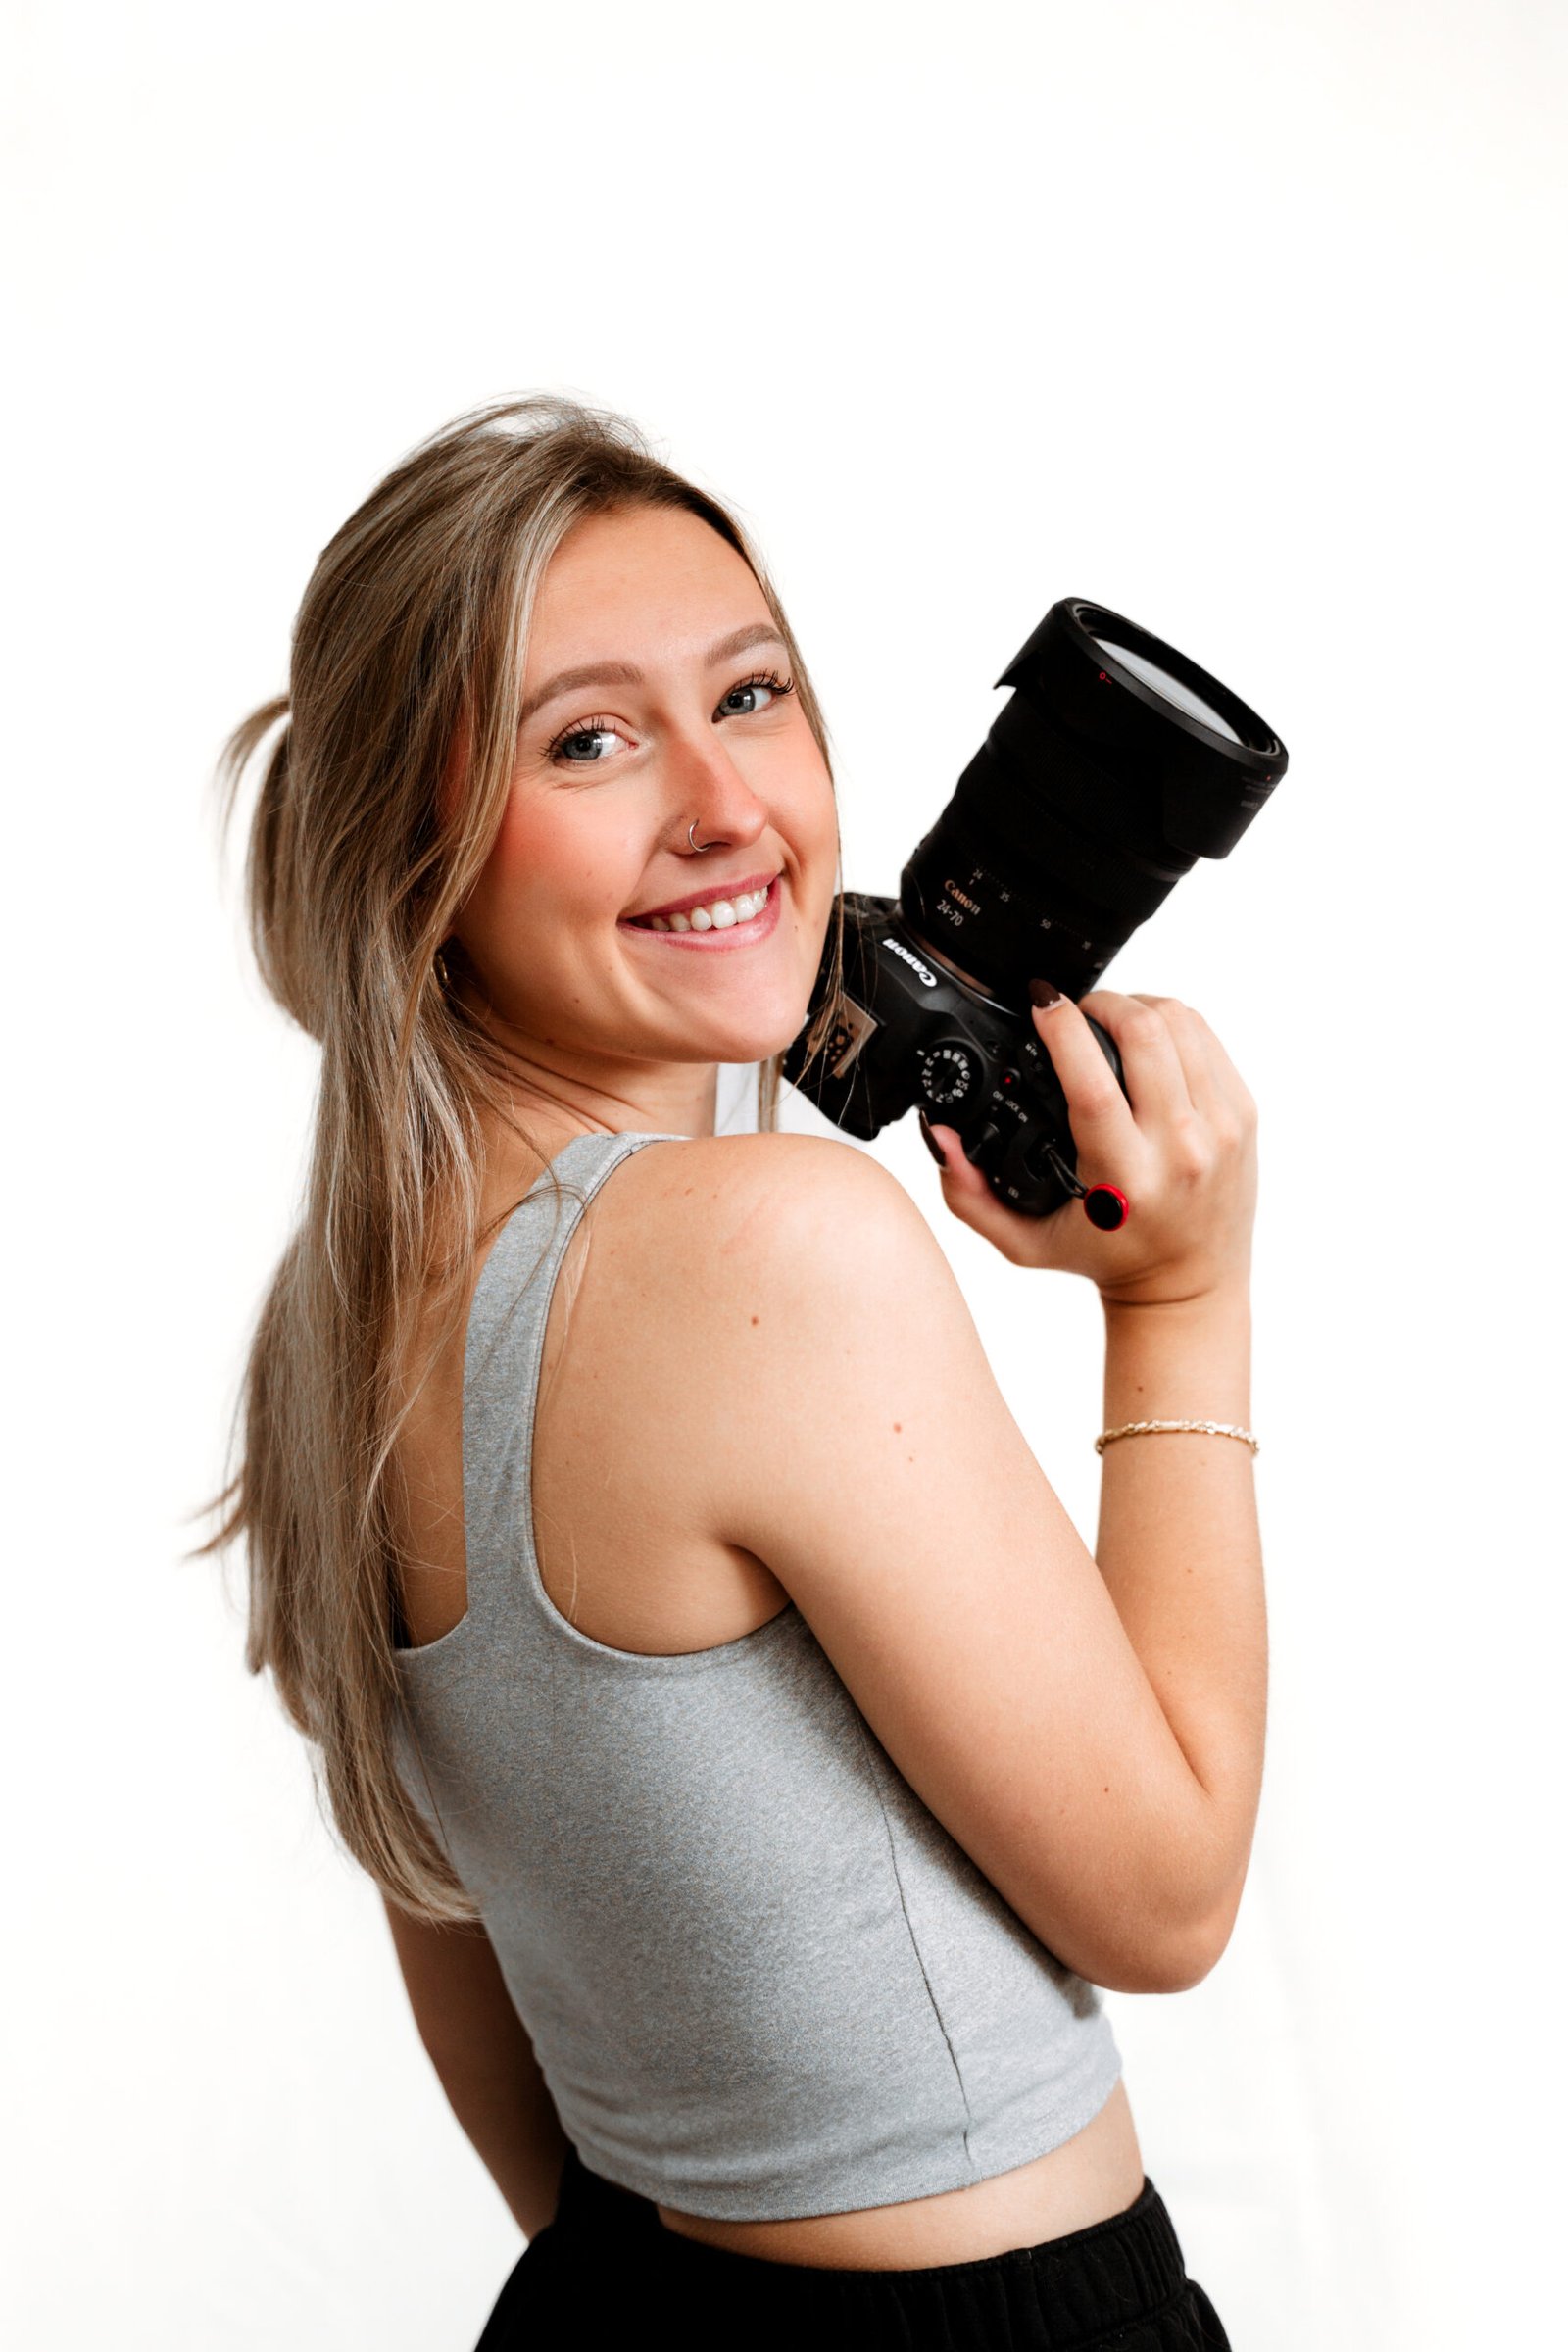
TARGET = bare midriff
x,y
1090,2177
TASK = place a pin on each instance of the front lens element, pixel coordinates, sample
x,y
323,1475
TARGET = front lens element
x,y
1171,688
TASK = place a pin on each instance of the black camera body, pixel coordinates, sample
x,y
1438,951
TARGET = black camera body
x,y
943,1046
1115,765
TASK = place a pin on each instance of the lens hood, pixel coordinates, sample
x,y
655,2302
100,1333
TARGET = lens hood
x,y
1214,761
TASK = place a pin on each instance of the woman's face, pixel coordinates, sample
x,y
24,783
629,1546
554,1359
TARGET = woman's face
x,y
611,1020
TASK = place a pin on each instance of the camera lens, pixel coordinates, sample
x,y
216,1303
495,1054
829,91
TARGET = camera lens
x,y
1114,765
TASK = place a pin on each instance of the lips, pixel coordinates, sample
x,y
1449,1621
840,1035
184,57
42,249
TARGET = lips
x,y
730,939
706,898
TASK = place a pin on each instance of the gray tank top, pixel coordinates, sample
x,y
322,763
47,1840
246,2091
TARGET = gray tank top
x,y
760,1976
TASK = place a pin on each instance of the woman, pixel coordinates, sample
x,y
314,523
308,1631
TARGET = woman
x,y
760,1775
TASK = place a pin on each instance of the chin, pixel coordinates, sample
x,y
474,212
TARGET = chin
x,y
759,1041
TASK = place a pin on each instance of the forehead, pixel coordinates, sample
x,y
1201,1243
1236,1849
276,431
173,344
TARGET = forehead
x,y
660,575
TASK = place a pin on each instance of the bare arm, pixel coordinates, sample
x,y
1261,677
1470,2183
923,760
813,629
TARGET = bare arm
x,y
484,2059
1178,1549
1180,1553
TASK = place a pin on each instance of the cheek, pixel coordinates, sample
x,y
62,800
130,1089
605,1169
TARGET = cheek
x,y
816,815
546,859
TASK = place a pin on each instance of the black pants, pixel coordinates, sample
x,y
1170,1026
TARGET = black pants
x,y
606,2270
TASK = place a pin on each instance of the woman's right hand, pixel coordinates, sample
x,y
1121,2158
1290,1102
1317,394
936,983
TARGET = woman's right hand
x,y
1183,1149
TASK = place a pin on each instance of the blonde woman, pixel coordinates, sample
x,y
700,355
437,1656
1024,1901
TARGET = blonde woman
x,y
762,1775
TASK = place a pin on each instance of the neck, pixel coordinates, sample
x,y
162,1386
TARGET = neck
x,y
545,1110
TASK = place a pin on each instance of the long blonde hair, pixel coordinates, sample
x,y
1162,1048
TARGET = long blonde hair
x,y
412,634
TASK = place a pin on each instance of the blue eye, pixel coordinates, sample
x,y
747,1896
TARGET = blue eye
x,y
587,729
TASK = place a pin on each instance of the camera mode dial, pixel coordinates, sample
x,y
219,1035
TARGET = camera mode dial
x,y
948,1072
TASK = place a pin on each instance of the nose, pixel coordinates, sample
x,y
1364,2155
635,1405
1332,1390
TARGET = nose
x,y
707,784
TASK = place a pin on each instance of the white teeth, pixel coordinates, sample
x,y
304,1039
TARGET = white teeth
x,y
718,915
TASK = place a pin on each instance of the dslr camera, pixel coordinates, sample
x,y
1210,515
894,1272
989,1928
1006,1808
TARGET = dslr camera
x,y
1114,765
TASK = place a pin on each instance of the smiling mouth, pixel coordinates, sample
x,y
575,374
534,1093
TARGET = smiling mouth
x,y
714,915
720,923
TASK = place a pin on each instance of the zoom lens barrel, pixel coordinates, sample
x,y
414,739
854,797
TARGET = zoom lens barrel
x,y
1115,765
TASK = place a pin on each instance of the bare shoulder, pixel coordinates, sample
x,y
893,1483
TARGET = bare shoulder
x,y
747,1251
740,1200
754,1251
794,1269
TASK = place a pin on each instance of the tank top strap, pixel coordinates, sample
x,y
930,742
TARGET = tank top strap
x,y
503,1354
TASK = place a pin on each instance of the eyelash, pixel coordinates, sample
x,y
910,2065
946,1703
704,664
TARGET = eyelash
x,y
603,726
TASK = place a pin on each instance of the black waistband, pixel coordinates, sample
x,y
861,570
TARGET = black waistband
x,y
1113,2272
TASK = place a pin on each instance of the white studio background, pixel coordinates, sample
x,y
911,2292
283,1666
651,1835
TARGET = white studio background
x,y
1237,318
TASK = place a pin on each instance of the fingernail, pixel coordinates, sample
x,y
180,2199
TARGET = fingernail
x,y
931,1144
1041,993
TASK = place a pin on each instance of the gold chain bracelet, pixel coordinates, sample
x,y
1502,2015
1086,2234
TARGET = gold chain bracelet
x,y
1207,1429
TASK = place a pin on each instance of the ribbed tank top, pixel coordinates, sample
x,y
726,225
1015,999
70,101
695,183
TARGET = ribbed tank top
x,y
760,1978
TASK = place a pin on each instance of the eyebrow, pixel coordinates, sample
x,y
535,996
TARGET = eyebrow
x,y
625,673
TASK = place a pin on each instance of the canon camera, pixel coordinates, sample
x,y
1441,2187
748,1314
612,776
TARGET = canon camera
x,y
1114,765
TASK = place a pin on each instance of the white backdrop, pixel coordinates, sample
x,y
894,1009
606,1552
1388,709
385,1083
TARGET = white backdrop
x,y
1236,317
